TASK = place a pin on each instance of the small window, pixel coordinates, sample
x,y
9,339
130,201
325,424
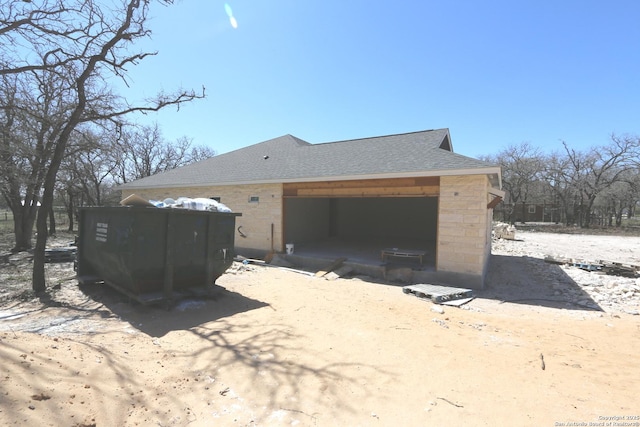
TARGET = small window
x,y
217,199
254,199
532,209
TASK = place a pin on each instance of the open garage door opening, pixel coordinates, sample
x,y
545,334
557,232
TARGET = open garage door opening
x,y
361,229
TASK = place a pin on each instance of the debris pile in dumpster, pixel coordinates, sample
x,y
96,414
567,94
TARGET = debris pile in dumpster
x,y
198,204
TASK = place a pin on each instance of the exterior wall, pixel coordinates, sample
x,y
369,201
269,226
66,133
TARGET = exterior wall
x,y
257,217
463,233
489,229
464,227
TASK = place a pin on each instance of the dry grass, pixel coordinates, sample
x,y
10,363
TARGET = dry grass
x,y
16,268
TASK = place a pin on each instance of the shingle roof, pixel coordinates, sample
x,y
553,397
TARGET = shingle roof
x,y
288,159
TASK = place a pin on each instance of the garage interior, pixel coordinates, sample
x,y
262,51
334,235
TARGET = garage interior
x,y
366,220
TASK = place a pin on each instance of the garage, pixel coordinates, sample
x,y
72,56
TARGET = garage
x,y
358,219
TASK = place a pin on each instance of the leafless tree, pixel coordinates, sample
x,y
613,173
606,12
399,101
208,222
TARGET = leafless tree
x,y
143,151
558,179
602,178
85,176
33,107
521,168
597,169
619,198
79,43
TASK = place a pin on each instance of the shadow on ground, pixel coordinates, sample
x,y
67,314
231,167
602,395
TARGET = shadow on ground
x,y
157,320
515,279
532,281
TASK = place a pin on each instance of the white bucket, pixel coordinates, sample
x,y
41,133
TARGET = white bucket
x,y
289,247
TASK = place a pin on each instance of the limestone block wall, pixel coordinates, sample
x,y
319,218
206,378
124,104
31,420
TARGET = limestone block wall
x,y
489,228
257,215
464,243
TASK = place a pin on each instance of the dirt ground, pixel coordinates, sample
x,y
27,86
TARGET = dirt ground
x,y
276,347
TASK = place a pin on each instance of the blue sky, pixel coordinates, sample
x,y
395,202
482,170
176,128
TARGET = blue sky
x,y
494,72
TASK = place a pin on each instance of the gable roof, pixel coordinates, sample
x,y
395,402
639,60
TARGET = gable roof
x,y
290,159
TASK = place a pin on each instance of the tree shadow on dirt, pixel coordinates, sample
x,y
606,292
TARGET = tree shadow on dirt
x,y
238,370
270,357
532,281
77,309
157,320
274,360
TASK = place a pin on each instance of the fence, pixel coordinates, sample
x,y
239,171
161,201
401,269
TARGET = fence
x,y
6,219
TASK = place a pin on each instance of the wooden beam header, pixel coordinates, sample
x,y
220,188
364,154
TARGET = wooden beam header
x,y
393,187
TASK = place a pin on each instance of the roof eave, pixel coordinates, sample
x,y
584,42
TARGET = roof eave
x,y
493,172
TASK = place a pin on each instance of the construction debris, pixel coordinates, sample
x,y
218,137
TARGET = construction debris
x,y
503,230
620,269
334,264
342,271
437,309
436,293
607,267
60,255
279,261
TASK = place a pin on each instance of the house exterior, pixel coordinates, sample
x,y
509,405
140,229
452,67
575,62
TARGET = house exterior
x,y
289,190
529,212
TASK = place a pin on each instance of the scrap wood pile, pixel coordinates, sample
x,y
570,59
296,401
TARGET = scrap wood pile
x,y
607,267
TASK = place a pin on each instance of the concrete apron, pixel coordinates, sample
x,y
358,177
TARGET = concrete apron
x,y
401,273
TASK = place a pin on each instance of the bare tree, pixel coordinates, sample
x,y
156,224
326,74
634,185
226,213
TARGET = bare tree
x,y
33,108
85,176
557,176
93,166
143,151
619,198
521,168
598,169
80,43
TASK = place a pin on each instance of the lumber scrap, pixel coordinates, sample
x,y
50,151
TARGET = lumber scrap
x,y
620,269
337,273
60,255
556,260
332,266
608,267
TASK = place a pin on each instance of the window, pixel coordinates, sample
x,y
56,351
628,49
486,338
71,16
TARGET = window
x,y
217,199
532,209
254,199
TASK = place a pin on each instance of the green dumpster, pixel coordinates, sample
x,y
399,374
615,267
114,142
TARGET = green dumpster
x,y
154,253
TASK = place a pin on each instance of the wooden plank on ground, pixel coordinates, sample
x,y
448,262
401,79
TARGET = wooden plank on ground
x,y
335,264
556,260
335,274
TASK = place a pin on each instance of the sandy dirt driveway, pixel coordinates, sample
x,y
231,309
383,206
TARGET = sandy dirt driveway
x,y
279,348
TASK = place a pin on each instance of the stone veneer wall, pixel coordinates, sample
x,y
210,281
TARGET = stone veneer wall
x,y
464,227
256,218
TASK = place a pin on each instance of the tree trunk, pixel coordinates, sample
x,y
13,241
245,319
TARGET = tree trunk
x,y
23,230
589,210
52,222
39,285
70,209
619,215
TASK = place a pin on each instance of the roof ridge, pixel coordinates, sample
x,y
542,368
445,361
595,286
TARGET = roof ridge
x,y
381,136
300,141
292,159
